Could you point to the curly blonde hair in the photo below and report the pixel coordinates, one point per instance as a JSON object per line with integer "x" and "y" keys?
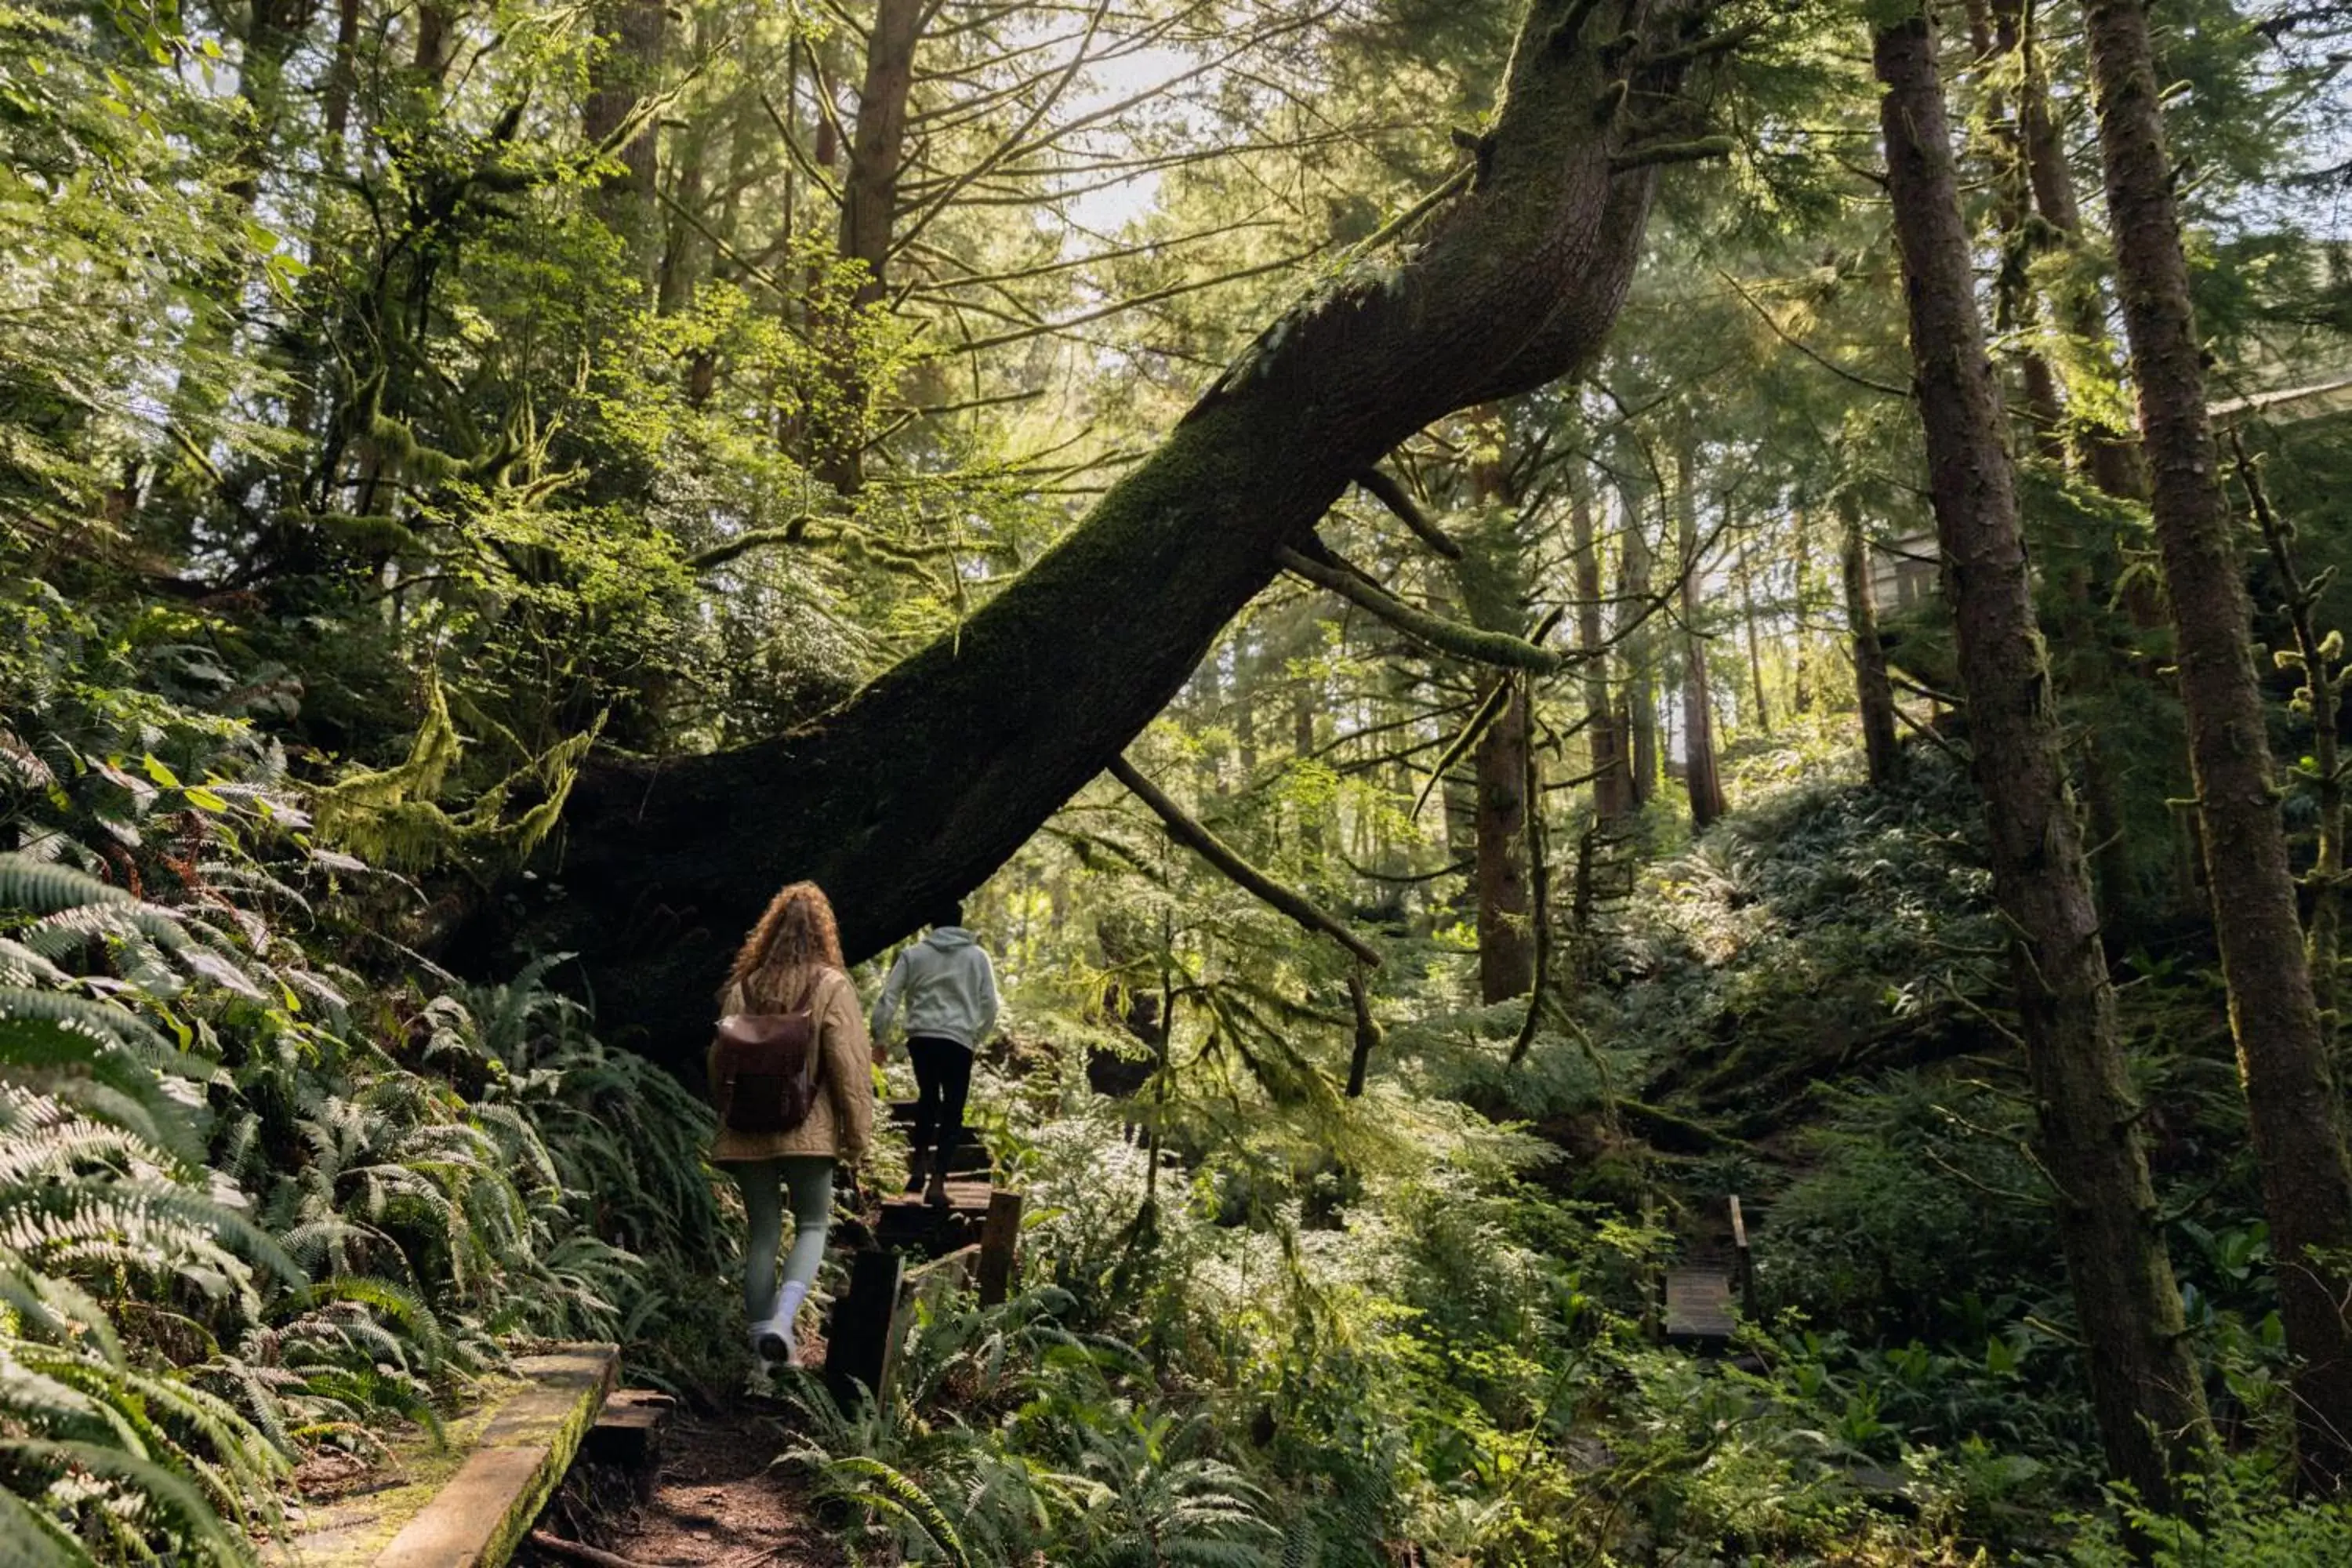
{"x": 795, "y": 938}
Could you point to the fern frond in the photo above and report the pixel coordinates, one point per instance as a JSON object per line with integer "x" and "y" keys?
{"x": 44, "y": 887}
{"x": 889, "y": 1491}
{"x": 197, "y": 1524}
{"x": 35, "y": 1539}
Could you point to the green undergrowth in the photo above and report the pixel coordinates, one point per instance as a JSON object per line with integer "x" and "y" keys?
{"x": 270, "y": 1186}
{"x": 1440, "y": 1347}
{"x": 1456, "y": 1372}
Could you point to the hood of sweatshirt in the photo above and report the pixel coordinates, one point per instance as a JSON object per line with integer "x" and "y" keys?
{"x": 949, "y": 937}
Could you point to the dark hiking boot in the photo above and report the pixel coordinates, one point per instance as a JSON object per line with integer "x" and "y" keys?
{"x": 918, "y": 1168}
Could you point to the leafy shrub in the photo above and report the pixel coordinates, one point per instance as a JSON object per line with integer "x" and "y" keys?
{"x": 252, "y": 1202}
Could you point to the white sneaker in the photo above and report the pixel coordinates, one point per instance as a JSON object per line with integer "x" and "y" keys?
{"x": 774, "y": 1338}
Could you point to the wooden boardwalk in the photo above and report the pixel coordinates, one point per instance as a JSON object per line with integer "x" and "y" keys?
{"x": 1706, "y": 1294}
{"x": 908, "y": 1224}
{"x": 1698, "y": 1305}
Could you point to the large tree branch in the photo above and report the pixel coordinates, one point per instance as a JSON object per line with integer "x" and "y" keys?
{"x": 1501, "y": 648}
{"x": 929, "y": 778}
{"x": 1233, "y": 868}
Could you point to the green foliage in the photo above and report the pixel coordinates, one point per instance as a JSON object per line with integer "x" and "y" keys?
{"x": 1918, "y": 1197}
{"x": 252, "y": 1204}
{"x": 2238, "y": 1521}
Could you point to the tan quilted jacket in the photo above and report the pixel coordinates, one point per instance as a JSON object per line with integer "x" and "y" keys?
{"x": 841, "y": 1120}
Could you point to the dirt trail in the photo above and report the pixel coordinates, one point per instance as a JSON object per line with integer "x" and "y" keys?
{"x": 714, "y": 1501}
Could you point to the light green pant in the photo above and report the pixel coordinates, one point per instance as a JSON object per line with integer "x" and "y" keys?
{"x": 807, "y": 1180}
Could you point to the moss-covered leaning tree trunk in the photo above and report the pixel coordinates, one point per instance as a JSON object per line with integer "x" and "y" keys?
{"x": 922, "y": 784}
{"x": 2282, "y": 1049}
{"x": 2144, "y": 1386}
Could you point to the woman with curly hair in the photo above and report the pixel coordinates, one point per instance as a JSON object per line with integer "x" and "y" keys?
{"x": 791, "y": 964}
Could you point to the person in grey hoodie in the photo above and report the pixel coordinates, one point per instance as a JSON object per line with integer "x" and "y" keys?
{"x": 947, "y": 988}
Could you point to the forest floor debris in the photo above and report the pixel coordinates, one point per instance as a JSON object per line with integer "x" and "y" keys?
{"x": 716, "y": 1501}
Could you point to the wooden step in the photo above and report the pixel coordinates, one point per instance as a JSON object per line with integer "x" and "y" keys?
{"x": 902, "y": 1114}
{"x": 909, "y": 1224}
{"x": 628, "y": 1429}
{"x": 1698, "y": 1305}
{"x": 964, "y": 1197}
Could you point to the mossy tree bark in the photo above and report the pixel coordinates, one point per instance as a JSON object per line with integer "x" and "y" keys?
{"x": 1611, "y": 778}
{"x": 625, "y": 68}
{"x": 869, "y": 213}
{"x": 1640, "y": 715}
{"x": 2282, "y": 1049}
{"x": 1873, "y": 691}
{"x": 1702, "y": 779}
{"x": 2104, "y": 453}
{"x": 2144, "y": 1386}
{"x": 1492, "y": 572}
{"x": 922, "y": 784}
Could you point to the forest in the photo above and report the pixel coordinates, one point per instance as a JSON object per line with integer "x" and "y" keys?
{"x": 1642, "y": 704}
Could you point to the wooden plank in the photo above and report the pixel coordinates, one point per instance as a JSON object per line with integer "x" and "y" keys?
{"x": 864, "y": 1321}
{"x": 956, "y": 1265}
{"x": 629, "y": 1430}
{"x": 999, "y": 1247}
{"x": 472, "y": 1512}
{"x": 1743, "y": 1259}
{"x": 1699, "y": 1304}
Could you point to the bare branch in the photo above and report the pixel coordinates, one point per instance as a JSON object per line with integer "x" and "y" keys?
{"x": 1657, "y": 153}
{"x": 1217, "y": 853}
{"x": 1436, "y": 631}
{"x": 1377, "y": 484}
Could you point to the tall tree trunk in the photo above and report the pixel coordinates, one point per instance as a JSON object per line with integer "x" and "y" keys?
{"x": 870, "y": 208}
{"x": 2029, "y": 159}
{"x": 1700, "y": 777}
{"x": 1612, "y": 798}
{"x": 1801, "y": 521}
{"x": 2144, "y": 1386}
{"x": 1311, "y": 813}
{"x": 1755, "y": 643}
{"x": 1874, "y": 692}
{"x": 625, "y": 68}
{"x": 2100, "y": 451}
{"x": 1633, "y": 588}
{"x": 274, "y": 31}
{"x": 2323, "y": 694}
{"x": 2013, "y": 313}
{"x": 924, "y": 784}
{"x": 1506, "y": 954}
{"x": 216, "y": 316}
{"x": 437, "y": 41}
{"x": 342, "y": 80}
{"x": 2281, "y": 1051}
{"x": 679, "y": 271}
{"x": 1493, "y": 577}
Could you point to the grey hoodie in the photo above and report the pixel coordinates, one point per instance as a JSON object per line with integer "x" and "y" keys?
{"x": 947, "y": 986}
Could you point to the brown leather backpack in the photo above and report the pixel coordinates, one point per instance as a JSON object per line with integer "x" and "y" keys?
{"x": 764, "y": 1068}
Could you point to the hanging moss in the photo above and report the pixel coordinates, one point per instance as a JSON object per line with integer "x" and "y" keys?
{"x": 393, "y": 815}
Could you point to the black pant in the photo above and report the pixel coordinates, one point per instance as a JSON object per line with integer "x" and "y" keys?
{"x": 943, "y": 1083}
